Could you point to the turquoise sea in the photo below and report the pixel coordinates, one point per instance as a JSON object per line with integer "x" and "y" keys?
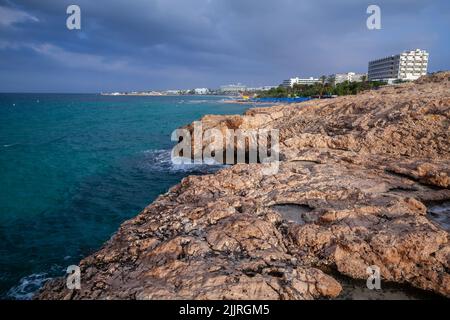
{"x": 73, "y": 167}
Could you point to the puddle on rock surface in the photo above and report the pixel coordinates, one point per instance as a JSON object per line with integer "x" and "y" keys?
{"x": 357, "y": 290}
{"x": 298, "y": 213}
{"x": 439, "y": 212}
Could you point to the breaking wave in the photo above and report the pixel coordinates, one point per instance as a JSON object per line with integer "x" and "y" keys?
{"x": 160, "y": 160}
{"x": 28, "y": 286}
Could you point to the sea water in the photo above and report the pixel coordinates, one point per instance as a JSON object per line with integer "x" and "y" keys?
{"x": 73, "y": 167}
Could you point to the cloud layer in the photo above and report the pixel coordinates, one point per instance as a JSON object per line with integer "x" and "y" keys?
{"x": 127, "y": 45}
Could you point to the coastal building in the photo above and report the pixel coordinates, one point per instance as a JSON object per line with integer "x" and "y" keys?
{"x": 172, "y": 92}
{"x": 262, "y": 88}
{"x": 233, "y": 88}
{"x": 292, "y": 81}
{"x": 201, "y": 91}
{"x": 408, "y": 65}
{"x": 349, "y": 76}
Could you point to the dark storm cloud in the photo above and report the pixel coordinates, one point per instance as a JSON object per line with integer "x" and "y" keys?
{"x": 138, "y": 44}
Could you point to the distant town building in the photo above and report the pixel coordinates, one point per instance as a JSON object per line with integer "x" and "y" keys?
{"x": 201, "y": 91}
{"x": 263, "y": 88}
{"x": 349, "y": 76}
{"x": 172, "y": 92}
{"x": 233, "y": 88}
{"x": 408, "y": 65}
{"x": 290, "y": 82}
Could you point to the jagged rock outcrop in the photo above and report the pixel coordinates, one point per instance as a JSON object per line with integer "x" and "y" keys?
{"x": 352, "y": 190}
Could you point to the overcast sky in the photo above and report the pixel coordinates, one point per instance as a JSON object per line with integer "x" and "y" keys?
{"x": 168, "y": 44}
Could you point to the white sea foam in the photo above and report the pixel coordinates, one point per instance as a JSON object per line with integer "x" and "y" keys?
{"x": 28, "y": 286}
{"x": 10, "y": 145}
{"x": 160, "y": 160}
{"x": 197, "y": 101}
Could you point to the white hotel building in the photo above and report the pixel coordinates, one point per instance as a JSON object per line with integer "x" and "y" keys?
{"x": 290, "y": 82}
{"x": 201, "y": 91}
{"x": 409, "y": 65}
{"x": 349, "y": 76}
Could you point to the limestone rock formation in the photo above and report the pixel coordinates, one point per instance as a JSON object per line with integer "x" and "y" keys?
{"x": 352, "y": 190}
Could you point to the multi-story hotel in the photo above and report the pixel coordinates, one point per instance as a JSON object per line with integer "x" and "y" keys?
{"x": 349, "y": 76}
{"x": 201, "y": 90}
{"x": 290, "y": 82}
{"x": 409, "y": 65}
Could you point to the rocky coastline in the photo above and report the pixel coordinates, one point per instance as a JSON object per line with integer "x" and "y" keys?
{"x": 363, "y": 181}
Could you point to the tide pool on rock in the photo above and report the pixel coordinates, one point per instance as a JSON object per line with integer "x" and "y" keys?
{"x": 75, "y": 166}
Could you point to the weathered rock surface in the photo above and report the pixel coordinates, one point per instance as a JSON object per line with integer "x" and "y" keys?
{"x": 356, "y": 176}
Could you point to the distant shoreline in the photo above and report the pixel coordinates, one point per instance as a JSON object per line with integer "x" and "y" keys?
{"x": 163, "y": 95}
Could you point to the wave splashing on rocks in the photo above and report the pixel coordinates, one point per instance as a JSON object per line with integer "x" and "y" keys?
{"x": 160, "y": 160}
